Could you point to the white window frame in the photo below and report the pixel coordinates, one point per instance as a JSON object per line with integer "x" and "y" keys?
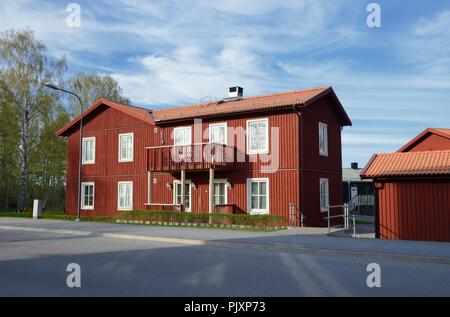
{"x": 323, "y": 127}
{"x": 132, "y": 147}
{"x": 265, "y": 150}
{"x": 131, "y": 196}
{"x": 225, "y": 182}
{"x": 182, "y": 128}
{"x": 83, "y": 185}
{"x": 249, "y": 197}
{"x": 221, "y": 124}
{"x": 83, "y": 151}
{"x": 326, "y": 194}
{"x": 174, "y": 195}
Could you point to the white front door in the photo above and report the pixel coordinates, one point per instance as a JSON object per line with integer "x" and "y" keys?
{"x": 187, "y": 192}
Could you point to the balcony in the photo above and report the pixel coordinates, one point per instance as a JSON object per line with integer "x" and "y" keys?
{"x": 200, "y": 156}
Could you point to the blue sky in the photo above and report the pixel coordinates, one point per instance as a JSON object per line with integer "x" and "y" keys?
{"x": 394, "y": 81}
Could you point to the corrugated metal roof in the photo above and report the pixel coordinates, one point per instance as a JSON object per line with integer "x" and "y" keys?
{"x": 352, "y": 175}
{"x": 408, "y": 164}
{"x": 266, "y": 102}
{"x": 296, "y": 97}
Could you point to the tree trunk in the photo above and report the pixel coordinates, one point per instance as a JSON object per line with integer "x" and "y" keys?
{"x": 23, "y": 191}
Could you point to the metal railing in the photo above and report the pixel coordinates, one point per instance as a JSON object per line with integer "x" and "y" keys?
{"x": 294, "y": 215}
{"x": 344, "y": 215}
{"x": 361, "y": 200}
{"x": 350, "y": 219}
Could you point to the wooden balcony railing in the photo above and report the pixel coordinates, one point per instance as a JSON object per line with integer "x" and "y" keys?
{"x": 200, "y": 156}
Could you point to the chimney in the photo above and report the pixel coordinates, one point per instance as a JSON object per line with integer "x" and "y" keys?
{"x": 354, "y": 165}
{"x": 235, "y": 92}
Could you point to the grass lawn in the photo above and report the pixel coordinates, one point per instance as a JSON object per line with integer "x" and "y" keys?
{"x": 58, "y": 215}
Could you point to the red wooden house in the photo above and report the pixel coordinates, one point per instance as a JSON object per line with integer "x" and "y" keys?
{"x": 412, "y": 188}
{"x": 257, "y": 155}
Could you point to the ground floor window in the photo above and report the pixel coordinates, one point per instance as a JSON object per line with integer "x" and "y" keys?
{"x": 187, "y": 193}
{"x": 125, "y": 196}
{"x": 324, "y": 194}
{"x": 258, "y": 195}
{"x": 220, "y": 192}
{"x": 87, "y": 195}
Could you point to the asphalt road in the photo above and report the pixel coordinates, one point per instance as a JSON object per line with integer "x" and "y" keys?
{"x": 34, "y": 264}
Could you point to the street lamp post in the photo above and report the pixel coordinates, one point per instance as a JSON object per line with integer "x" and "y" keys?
{"x": 54, "y": 87}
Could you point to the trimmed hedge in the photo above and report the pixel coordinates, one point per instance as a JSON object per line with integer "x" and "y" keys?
{"x": 203, "y": 218}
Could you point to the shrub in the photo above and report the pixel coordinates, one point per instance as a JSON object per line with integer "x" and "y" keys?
{"x": 203, "y": 218}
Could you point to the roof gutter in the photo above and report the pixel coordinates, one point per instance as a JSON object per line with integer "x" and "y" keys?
{"x": 300, "y": 158}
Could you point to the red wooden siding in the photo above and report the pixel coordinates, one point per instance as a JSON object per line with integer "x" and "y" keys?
{"x": 315, "y": 166}
{"x": 415, "y": 209}
{"x": 283, "y": 184}
{"x": 107, "y": 170}
{"x": 295, "y": 175}
{"x": 431, "y": 142}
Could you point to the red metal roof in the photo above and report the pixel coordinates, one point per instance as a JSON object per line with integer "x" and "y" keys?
{"x": 279, "y": 100}
{"x": 137, "y": 112}
{"x": 408, "y": 164}
{"x": 297, "y": 97}
{"x": 438, "y": 131}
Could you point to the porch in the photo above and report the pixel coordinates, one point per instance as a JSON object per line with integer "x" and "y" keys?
{"x": 179, "y": 159}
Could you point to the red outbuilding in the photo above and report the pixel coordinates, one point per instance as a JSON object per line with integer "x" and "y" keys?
{"x": 256, "y": 155}
{"x": 412, "y": 188}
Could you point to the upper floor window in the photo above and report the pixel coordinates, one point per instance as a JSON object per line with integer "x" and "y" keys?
{"x": 218, "y": 133}
{"x": 182, "y": 136}
{"x": 258, "y": 136}
{"x": 126, "y": 147}
{"x": 323, "y": 139}
{"x": 87, "y": 195}
{"x": 88, "y": 151}
{"x": 125, "y": 196}
{"x": 324, "y": 194}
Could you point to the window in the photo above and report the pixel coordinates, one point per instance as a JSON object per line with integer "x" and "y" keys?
{"x": 126, "y": 147}
{"x": 87, "y": 195}
{"x": 182, "y": 136}
{"x": 324, "y": 196}
{"x": 88, "y": 151}
{"x": 323, "y": 139}
{"x": 220, "y": 192}
{"x": 125, "y": 196}
{"x": 218, "y": 133}
{"x": 258, "y": 195}
{"x": 187, "y": 194}
{"x": 258, "y": 136}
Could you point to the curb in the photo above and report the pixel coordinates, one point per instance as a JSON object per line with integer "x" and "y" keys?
{"x": 244, "y": 245}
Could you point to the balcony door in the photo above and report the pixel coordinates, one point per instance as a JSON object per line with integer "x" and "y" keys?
{"x": 182, "y": 137}
{"x": 187, "y": 192}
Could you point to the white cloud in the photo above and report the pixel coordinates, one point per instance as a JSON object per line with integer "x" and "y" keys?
{"x": 428, "y": 45}
{"x": 189, "y": 73}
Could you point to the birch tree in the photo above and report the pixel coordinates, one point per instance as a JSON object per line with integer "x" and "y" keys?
{"x": 91, "y": 87}
{"x": 24, "y": 69}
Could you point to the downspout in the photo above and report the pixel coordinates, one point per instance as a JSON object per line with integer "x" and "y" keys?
{"x": 300, "y": 160}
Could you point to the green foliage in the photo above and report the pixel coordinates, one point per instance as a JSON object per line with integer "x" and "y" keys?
{"x": 91, "y": 87}
{"x": 16, "y": 214}
{"x": 32, "y": 157}
{"x": 24, "y": 68}
{"x": 204, "y": 218}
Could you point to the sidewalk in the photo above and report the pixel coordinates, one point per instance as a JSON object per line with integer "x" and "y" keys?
{"x": 279, "y": 241}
